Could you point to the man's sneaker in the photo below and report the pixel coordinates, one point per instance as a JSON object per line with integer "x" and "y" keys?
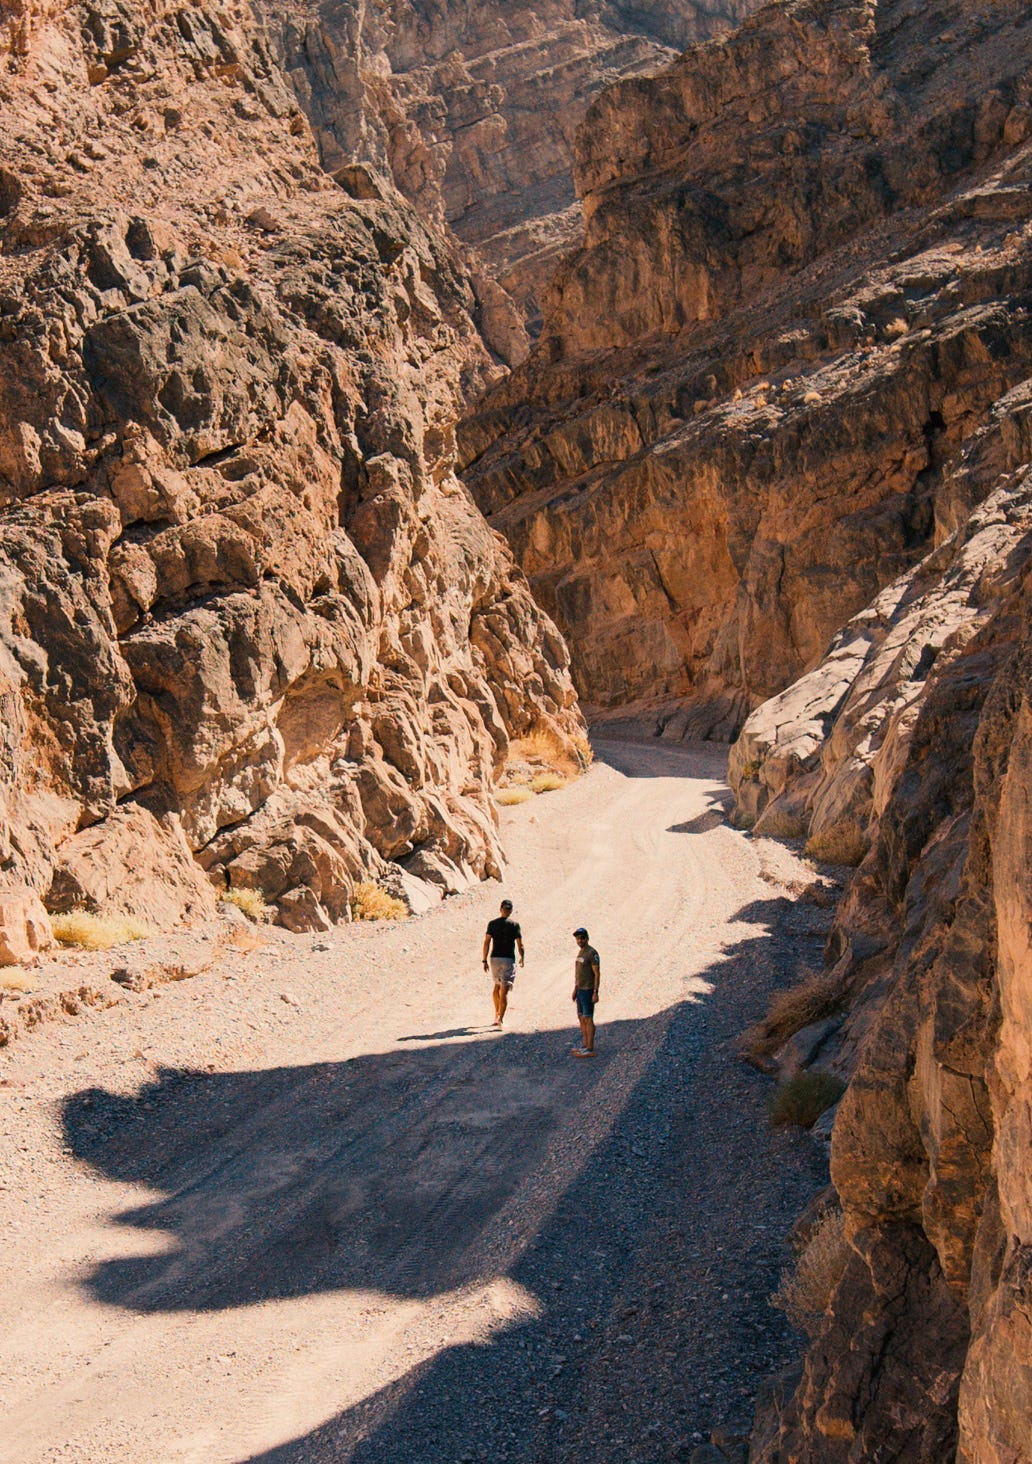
{"x": 581, "y": 1052}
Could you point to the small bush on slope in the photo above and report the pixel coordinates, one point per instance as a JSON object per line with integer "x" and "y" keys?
{"x": 547, "y": 783}
{"x": 841, "y": 844}
{"x": 804, "y": 1098}
{"x": 249, "y": 902}
{"x": 817, "y": 996}
{"x": 97, "y": 932}
{"x": 508, "y": 797}
{"x": 370, "y": 902}
{"x": 805, "y": 1289}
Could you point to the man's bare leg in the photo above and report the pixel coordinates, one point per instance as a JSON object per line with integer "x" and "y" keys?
{"x": 588, "y": 1028}
{"x": 502, "y": 1001}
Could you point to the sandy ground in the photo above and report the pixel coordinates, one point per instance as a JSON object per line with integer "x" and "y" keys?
{"x": 308, "y": 1206}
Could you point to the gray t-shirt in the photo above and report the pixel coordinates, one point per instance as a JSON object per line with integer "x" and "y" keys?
{"x": 584, "y": 968}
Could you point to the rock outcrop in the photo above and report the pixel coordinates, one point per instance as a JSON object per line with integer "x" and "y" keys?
{"x": 473, "y": 106}
{"x": 805, "y": 283}
{"x": 241, "y": 590}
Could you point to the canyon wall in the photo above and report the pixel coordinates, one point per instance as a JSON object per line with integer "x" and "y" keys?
{"x": 473, "y": 108}
{"x": 804, "y": 284}
{"x": 906, "y": 750}
{"x": 253, "y": 631}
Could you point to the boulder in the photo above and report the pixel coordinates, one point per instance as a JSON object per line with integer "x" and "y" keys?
{"x": 133, "y": 864}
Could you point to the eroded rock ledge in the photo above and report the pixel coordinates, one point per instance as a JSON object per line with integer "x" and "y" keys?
{"x": 248, "y": 614}
{"x": 804, "y": 285}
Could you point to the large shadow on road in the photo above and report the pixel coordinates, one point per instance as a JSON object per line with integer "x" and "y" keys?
{"x": 382, "y": 1172}
{"x": 393, "y": 1172}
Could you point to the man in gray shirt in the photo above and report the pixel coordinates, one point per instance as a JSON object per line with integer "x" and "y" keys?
{"x": 587, "y": 973}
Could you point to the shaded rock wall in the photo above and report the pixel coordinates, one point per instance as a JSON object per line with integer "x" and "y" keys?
{"x": 804, "y": 284}
{"x": 904, "y": 750}
{"x": 923, "y": 1352}
{"x": 474, "y": 107}
{"x": 240, "y": 586}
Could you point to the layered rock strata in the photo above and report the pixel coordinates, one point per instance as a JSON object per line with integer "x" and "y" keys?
{"x": 805, "y": 283}
{"x": 248, "y": 614}
{"x": 473, "y": 107}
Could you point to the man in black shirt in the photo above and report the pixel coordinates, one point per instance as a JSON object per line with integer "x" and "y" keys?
{"x": 501, "y": 942}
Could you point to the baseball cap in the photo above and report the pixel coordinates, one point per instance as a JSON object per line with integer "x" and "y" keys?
{"x": 580, "y": 930}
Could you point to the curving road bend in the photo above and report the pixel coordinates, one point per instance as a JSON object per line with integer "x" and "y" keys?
{"x": 309, "y": 1207}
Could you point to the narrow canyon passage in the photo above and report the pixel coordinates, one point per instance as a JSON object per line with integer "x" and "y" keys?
{"x": 357, "y": 1224}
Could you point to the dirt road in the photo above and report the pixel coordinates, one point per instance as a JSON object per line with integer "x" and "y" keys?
{"x": 309, "y": 1207}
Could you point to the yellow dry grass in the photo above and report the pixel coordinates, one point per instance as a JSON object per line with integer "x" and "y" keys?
{"x": 97, "y": 932}
{"x": 508, "y": 797}
{"x": 547, "y": 783}
{"x": 249, "y": 902}
{"x": 896, "y": 328}
{"x": 805, "y": 1289}
{"x": 370, "y": 902}
{"x": 841, "y": 844}
{"x": 815, "y": 997}
{"x": 568, "y": 756}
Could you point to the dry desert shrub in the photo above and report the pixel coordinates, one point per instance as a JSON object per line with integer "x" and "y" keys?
{"x": 777, "y": 824}
{"x": 841, "y": 844}
{"x": 803, "y": 1099}
{"x": 815, "y": 997}
{"x": 97, "y": 932}
{"x": 896, "y": 328}
{"x": 805, "y": 1289}
{"x": 811, "y": 398}
{"x": 559, "y": 754}
{"x": 370, "y": 902}
{"x": 249, "y": 902}
{"x": 508, "y": 797}
{"x": 547, "y": 783}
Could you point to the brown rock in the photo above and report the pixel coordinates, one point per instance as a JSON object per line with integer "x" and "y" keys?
{"x": 923, "y": 1354}
{"x": 24, "y": 926}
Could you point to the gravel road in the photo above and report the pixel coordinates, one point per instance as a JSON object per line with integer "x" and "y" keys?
{"x": 307, "y": 1206}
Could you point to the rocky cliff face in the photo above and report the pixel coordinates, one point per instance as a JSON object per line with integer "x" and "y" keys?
{"x": 246, "y": 607}
{"x": 473, "y": 108}
{"x": 910, "y": 741}
{"x": 804, "y": 284}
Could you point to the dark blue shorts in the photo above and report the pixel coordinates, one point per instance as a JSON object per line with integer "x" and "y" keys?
{"x": 585, "y": 1005}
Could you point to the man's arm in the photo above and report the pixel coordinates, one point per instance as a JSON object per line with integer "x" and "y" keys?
{"x": 487, "y": 947}
{"x": 596, "y": 966}
{"x": 519, "y": 947}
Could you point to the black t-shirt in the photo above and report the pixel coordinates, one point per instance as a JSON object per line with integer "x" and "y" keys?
{"x": 504, "y": 935}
